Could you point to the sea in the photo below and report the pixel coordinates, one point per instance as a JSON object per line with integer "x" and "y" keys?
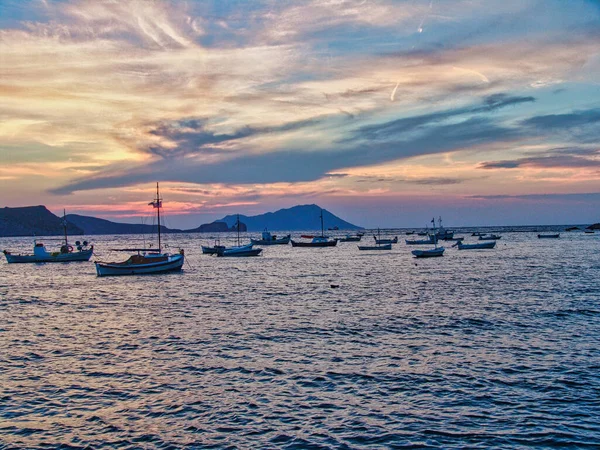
{"x": 306, "y": 348}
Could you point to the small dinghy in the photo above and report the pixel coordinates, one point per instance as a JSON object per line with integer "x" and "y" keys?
{"x": 479, "y": 245}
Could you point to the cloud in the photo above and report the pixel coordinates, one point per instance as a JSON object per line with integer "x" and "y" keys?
{"x": 558, "y": 158}
{"x": 583, "y": 197}
{"x": 564, "y": 121}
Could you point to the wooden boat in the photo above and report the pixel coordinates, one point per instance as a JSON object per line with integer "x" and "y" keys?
{"x": 477, "y": 233}
{"x": 408, "y": 233}
{"x": 239, "y": 250}
{"x": 489, "y": 237}
{"x": 438, "y": 251}
{"x": 433, "y": 252}
{"x": 430, "y": 240}
{"x": 589, "y": 232}
{"x": 386, "y": 241}
{"x": 442, "y": 233}
{"x": 375, "y": 247}
{"x": 380, "y": 245}
{"x": 455, "y": 239}
{"x": 548, "y": 236}
{"x": 147, "y": 261}
{"x": 317, "y": 241}
{"x": 271, "y": 239}
{"x": 480, "y": 245}
{"x": 212, "y": 250}
{"x": 65, "y": 253}
{"x": 349, "y": 238}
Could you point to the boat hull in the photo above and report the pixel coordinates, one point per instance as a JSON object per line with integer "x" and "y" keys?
{"x": 83, "y": 255}
{"x": 240, "y": 253}
{"x": 174, "y": 263}
{"x": 429, "y": 253}
{"x": 420, "y": 242}
{"x": 314, "y": 244}
{"x": 548, "y": 236}
{"x": 350, "y": 239}
{"x": 482, "y": 245}
{"x": 375, "y": 247}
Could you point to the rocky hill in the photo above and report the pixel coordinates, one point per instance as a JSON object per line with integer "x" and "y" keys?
{"x": 33, "y": 221}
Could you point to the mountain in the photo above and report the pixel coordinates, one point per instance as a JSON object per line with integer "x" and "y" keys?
{"x": 37, "y": 220}
{"x": 301, "y": 217}
{"x": 217, "y": 227}
{"x": 93, "y": 225}
{"x": 33, "y": 221}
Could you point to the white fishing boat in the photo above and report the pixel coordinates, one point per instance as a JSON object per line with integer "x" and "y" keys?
{"x": 65, "y": 253}
{"x": 479, "y": 245}
{"x": 239, "y": 250}
{"x": 270, "y": 239}
{"x": 147, "y": 260}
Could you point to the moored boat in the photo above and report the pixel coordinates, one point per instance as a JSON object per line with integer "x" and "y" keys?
{"x": 65, "y": 253}
{"x": 375, "y": 247}
{"x": 430, "y": 240}
{"x": 349, "y": 238}
{"x": 270, "y": 239}
{"x": 479, "y": 245}
{"x": 433, "y": 252}
{"x": 239, "y": 250}
{"x": 317, "y": 241}
{"x": 489, "y": 237}
{"x": 548, "y": 236}
{"x": 147, "y": 261}
{"x": 438, "y": 251}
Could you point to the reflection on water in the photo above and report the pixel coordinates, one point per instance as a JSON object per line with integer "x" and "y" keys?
{"x": 492, "y": 348}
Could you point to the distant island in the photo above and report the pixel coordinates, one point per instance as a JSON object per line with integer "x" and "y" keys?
{"x": 39, "y": 221}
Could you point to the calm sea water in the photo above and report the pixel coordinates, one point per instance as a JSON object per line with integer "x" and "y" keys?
{"x": 480, "y": 349}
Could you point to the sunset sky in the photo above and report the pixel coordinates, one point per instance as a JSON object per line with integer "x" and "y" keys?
{"x": 386, "y": 113}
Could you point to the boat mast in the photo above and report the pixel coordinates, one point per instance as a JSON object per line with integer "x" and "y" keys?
{"x": 322, "y": 230}
{"x": 65, "y": 226}
{"x": 238, "y": 229}
{"x": 158, "y": 205}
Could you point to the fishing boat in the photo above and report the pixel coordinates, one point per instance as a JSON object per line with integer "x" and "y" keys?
{"x": 430, "y": 240}
{"x": 489, "y": 237}
{"x": 147, "y": 260}
{"x": 317, "y": 241}
{"x": 206, "y": 250}
{"x": 239, "y": 250}
{"x": 270, "y": 239}
{"x": 378, "y": 240}
{"x": 349, "y": 238}
{"x": 65, "y": 253}
{"x": 476, "y": 246}
{"x": 379, "y": 244}
{"x": 589, "y": 231}
{"x": 548, "y": 236}
{"x": 375, "y": 247}
{"x": 408, "y": 233}
{"x": 433, "y": 252}
{"x": 442, "y": 233}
